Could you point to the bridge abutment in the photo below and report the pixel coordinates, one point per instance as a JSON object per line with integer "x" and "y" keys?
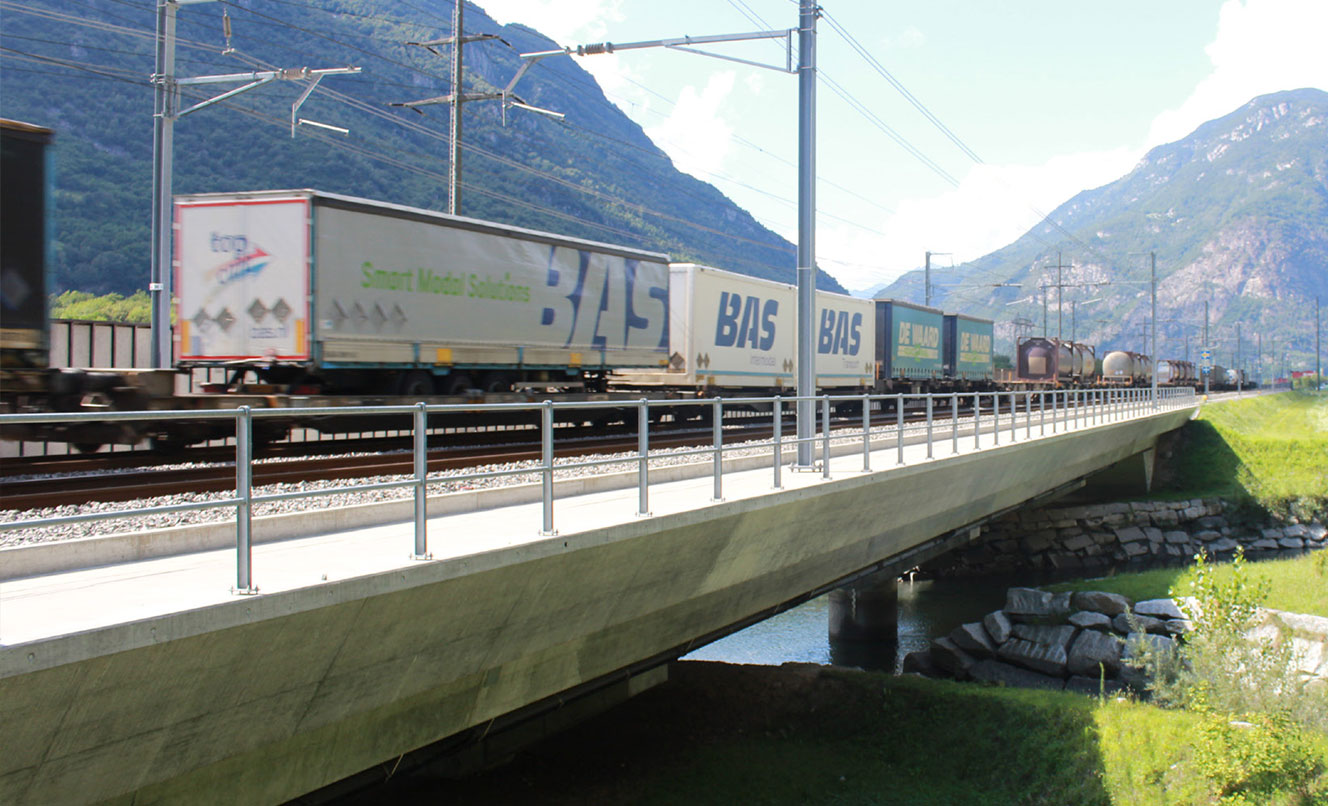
{"x": 865, "y": 610}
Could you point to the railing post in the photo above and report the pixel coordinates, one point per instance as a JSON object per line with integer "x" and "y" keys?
{"x": 1054, "y": 393}
{"x": 977, "y": 421}
{"x": 1013, "y": 419}
{"x": 546, "y": 459}
{"x": 717, "y": 427}
{"x": 1042, "y": 413}
{"x": 643, "y": 458}
{"x": 899, "y": 428}
{"x": 421, "y": 456}
{"x": 825, "y": 436}
{"x": 1028, "y": 415}
{"x": 996, "y": 418}
{"x": 866, "y": 433}
{"x": 954, "y": 423}
{"x": 778, "y": 440}
{"x": 929, "y": 424}
{"x": 244, "y": 510}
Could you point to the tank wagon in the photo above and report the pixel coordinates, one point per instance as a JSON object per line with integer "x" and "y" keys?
{"x": 1126, "y": 368}
{"x": 1041, "y": 360}
{"x": 1173, "y": 372}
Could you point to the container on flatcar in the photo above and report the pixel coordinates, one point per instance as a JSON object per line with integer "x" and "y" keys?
{"x": 734, "y": 331}
{"x": 1086, "y": 360}
{"x": 908, "y": 342}
{"x": 364, "y": 295}
{"x": 1036, "y": 359}
{"x": 968, "y": 347}
{"x": 1120, "y": 366}
{"x": 25, "y": 197}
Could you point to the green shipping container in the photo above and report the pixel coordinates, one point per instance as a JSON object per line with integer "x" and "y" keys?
{"x": 968, "y": 347}
{"x": 908, "y": 340}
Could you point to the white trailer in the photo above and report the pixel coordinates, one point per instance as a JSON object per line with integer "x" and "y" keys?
{"x": 732, "y": 331}
{"x": 300, "y": 284}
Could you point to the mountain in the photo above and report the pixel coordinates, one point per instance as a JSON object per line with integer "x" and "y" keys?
{"x": 83, "y": 69}
{"x": 1237, "y": 214}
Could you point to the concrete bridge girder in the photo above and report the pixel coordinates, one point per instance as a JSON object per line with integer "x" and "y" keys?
{"x": 266, "y": 698}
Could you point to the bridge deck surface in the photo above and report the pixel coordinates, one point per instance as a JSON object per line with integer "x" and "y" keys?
{"x": 41, "y": 607}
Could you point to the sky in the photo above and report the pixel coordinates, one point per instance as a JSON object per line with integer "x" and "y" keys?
{"x": 1050, "y": 97}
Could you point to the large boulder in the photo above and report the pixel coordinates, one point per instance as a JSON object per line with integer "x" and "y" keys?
{"x": 1033, "y": 605}
{"x": 1100, "y": 602}
{"x": 1137, "y": 647}
{"x": 1088, "y": 620}
{"x": 998, "y": 626}
{"x": 1045, "y": 634}
{"x": 1042, "y": 658}
{"x": 1125, "y": 624}
{"x": 1091, "y": 649}
{"x": 1158, "y": 608}
{"x": 993, "y": 671}
{"x": 948, "y": 656}
{"x": 973, "y": 639}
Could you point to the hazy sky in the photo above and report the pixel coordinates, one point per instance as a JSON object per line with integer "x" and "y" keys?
{"x": 1053, "y": 97}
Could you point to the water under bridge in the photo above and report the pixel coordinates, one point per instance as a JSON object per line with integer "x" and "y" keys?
{"x": 139, "y": 678}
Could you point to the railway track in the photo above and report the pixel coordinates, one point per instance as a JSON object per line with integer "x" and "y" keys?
{"x": 130, "y": 475}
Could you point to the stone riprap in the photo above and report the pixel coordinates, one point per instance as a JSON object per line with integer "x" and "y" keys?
{"x": 1080, "y": 641}
{"x": 1137, "y": 533}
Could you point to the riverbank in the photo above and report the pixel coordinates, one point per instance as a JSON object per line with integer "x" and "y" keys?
{"x": 796, "y": 734}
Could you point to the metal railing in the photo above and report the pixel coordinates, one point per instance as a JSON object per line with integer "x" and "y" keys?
{"x": 991, "y": 414}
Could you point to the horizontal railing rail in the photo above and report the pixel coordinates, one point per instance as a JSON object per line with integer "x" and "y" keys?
{"x": 996, "y": 415}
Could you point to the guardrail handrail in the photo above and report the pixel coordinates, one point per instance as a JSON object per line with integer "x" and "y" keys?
{"x": 1069, "y": 409}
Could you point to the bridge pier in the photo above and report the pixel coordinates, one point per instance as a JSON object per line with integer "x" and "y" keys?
{"x": 866, "y": 609}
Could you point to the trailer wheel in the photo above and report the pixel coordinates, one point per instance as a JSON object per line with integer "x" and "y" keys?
{"x": 457, "y": 384}
{"x": 416, "y": 383}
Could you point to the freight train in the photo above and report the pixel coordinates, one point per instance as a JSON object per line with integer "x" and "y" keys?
{"x": 306, "y": 298}
{"x": 1044, "y": 363}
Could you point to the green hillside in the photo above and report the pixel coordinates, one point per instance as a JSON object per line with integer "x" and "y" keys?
{"x": 83, "y": 69}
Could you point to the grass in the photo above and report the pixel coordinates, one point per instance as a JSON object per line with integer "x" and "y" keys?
{"x": 1270, "y": 449}
{"x": 720, "y": 734}
{"x": 1298, "y": 584}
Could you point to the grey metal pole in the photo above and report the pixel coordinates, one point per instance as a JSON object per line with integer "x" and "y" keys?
{"x": 825, "y": 436}
{"x": 1318, "y": 366}
{"x": 546, "y": 459}
{"x": 995, "y": 418}
{"x": 717, "y": 427}
{"x": 1237, "y": 362}
{"x": 899, "y": 428}
{"x": 977, "y": 421}
{"x": 806, "y": 416}
{"x": 454, "y": 146}
{"x": 1207, "y": 372}
{"x": 926, "y": 282}
{"x": 866, "y": 433}
{"x": 642, "y": 452}
{"x": 1042, "y": 414}
{"x": 929, "y": 425}
{"x": 778, "y": 441}
{"x": 954, "y": 423}
{"x": 244, "y": 510}
{"x": 421, "y": 456}
{"x": 1152, "y": 260}
{"x": 163, "y": 131}
{"x": 1055, "y": 409}
{"x": 1028, "y": 415}
{"x": 1013, "y": 419}
{"x": 1060, "y": 298}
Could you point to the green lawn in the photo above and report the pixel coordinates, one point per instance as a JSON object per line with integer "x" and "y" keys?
{"x": 1272, "y": 449}
{"x": 1299, "y": 584}
{"x": 718, "y": 734}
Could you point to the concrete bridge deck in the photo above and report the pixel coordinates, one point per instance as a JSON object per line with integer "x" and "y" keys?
{"x": 149, "y": 681}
